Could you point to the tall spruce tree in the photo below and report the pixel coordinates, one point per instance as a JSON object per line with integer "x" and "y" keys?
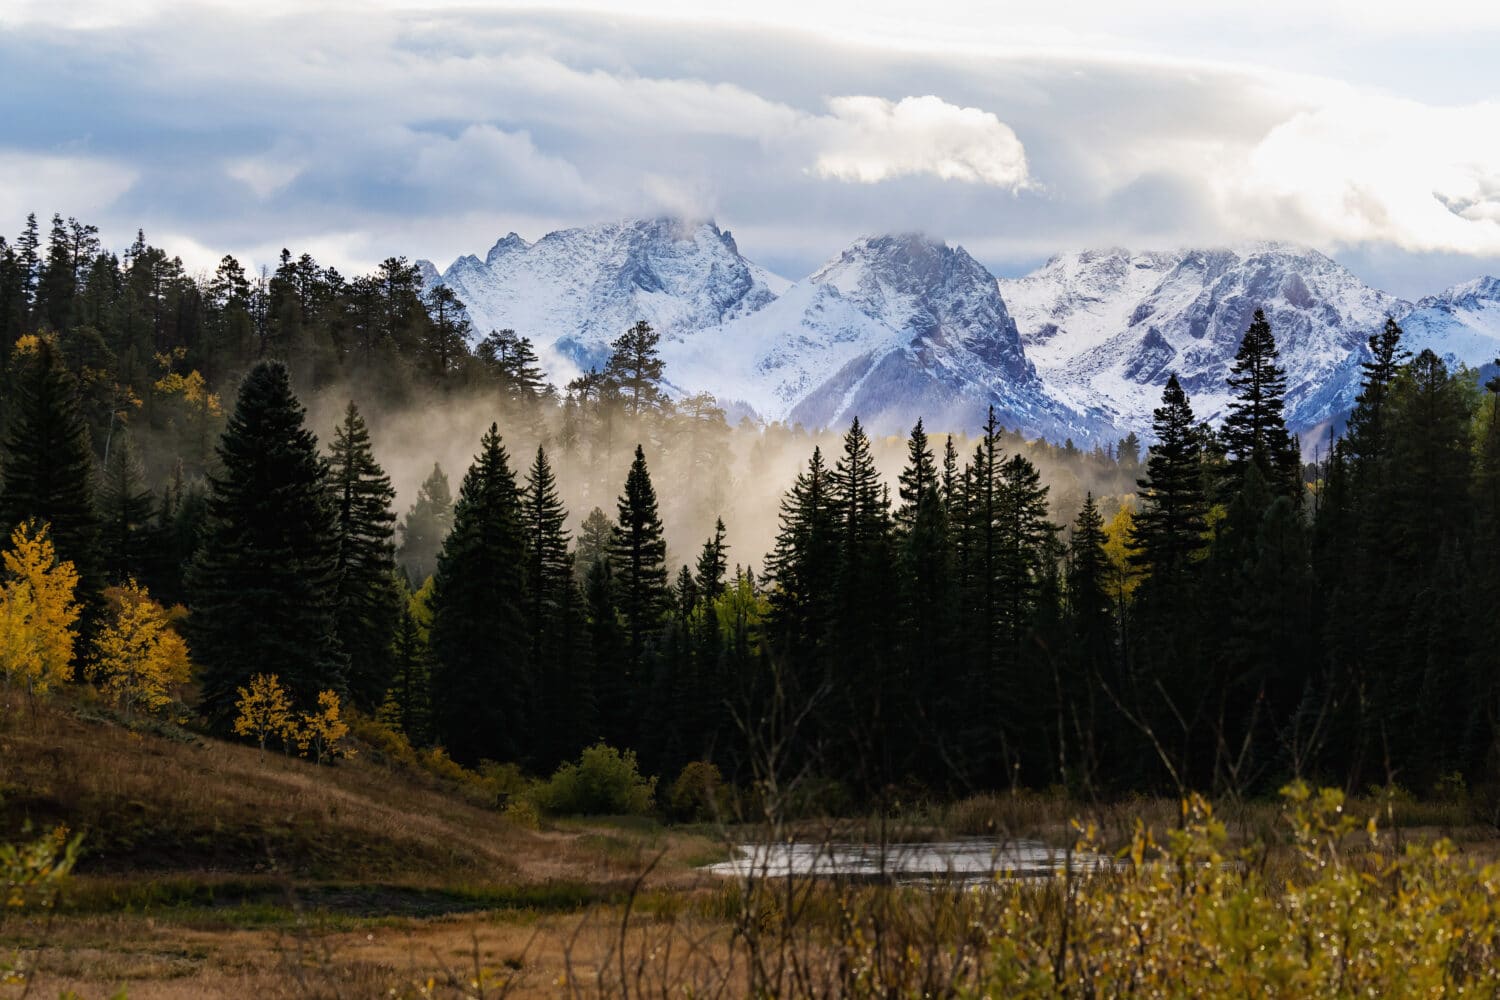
{"x": 638, "y": 561}
{"x": 713, "y": 565}
{"x": 928, "y": 595}
{"x": 1083, "y": 741}
{"x": 1485, "y": 593}
{"x": 1026, "y": 551}
{"x": 607, "y": 651}
{"x": 1169, "y": 528}
{"x": 369, "y": 601}
{"x": 426, "y": 525}
{"x": 482, "y": 673}
{"x": 1255, "y": 431}
{"x": 555, "y": 620}
{"x": 803, "y": 566}
{"x": 264, "y": 585}
{"x": 593, "y": 544}
{"x": 49, "y": 464}
{"x": 408, "y": 701}
{"x": 481, "y": 670}
{"x": 634, "y": 370}
{"x": 127, "y": 509}
{"x": 867, "y": 673}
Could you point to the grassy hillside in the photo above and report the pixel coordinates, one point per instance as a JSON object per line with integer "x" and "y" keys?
{"x": 213, "y": 870}
{"x": 208, "y": 866}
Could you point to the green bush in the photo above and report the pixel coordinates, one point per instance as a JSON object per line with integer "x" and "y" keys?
{"x": 697, "y": 793}
{"x": 604, "y": 782}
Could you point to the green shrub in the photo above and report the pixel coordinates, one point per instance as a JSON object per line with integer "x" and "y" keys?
{"x": 505, "y": 780}
{"x": 697, "y": 793}
{"x": 523, "y": 813}
{"x": 604, "y": 782}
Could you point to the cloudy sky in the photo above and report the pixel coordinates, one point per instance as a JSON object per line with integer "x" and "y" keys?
{"x": 364, "y": 129}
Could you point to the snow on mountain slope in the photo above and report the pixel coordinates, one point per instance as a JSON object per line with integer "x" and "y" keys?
{"x": 1459, "y": 324}
{"x": 897, "y": 327}
{"x": 893, "y": 328}
{"x": 1106, "y": 327}
{"x": 574, "y": 291}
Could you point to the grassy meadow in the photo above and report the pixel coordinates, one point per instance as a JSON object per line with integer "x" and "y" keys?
{"x": 212, "y": 869}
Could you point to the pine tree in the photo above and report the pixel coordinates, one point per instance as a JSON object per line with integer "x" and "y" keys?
{"x": 425, "y": 527}
{"x": 1025, "y": 542}
{"x": 369, "y": 602}
{"x": 482, "y": 671}
{"x": 445, "y": 342}
{"x": 126, "y": 508}
{"x": 1083, "y": 731}
{"x": 713, "y": 564}
{"x": 802, "y": 567}
{"x": 1355, "y": 533}
{"x": 408, "y": 704}
{"x": 638, "y": 554}
{"x": 513, "y": 363}
{"x": 27, "y": 246}
{"x": 928, "y": 594}
{"x": 866, "y": 673}
{"x": 264, "y": 585}
{"x": 49, "y": 464}
{"x": 1169, "y": 527}
{"x": 634, "y": 370}
{"x": 1089, "y": 602}
{"x": 1484, "y": 633}
{"x": 593, "y": 544}
{"x": 610, "y": 687}
{"x": 1255, "y": 429}
{"x": 554, "y": 618}
{"x": 1365, "y": 439}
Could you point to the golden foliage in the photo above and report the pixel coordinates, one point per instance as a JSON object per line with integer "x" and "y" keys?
{"x": 265, "y": 710}
{"x": 32, "y": 874}
{"x": 323, "y": 731}
{"x": 191, "y": 388}
{"x": 138, "y": 656}
{"x": 1123, "y": 577}
{"x": 37, "y": 612}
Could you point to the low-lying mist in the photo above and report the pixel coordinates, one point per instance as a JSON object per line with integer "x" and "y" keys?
{"x": 702, "y": 467}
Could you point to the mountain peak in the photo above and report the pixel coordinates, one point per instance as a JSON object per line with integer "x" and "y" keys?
{"x": 574, "y": 291}
{"x": 509, "y": 243}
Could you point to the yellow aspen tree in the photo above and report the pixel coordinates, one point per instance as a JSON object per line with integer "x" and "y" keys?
{"x": 38, "y": 612}
{"x": 323, "y": 731}
{"x": 138, "y": 656}
{"x": 265, "y": 710}
{"x": 1123, "y": 576}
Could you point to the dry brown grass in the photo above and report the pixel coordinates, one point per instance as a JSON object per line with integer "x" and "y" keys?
{"x": 153, "y": 804}
{"x": 214, "y": 871}
{"x": 522, "y": 956}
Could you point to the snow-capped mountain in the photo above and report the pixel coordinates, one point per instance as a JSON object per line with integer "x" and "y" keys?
{"x": 901, "y": 326}
{"x": 1105, "y": 327}
{"x": 574, "y": 291}
{"x": 1459, "y": 324}
{"x": 892, "y": 328}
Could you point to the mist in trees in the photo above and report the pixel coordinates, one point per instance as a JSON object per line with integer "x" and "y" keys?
{"x": 941, "y": 612}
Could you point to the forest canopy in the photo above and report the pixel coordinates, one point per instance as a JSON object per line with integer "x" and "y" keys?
{"x": 613, "y": 559}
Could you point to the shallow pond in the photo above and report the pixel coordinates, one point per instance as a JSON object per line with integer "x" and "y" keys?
{"x": 968, "y": 861}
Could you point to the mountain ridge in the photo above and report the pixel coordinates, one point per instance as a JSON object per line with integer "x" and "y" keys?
{"x": 900, "y": 325}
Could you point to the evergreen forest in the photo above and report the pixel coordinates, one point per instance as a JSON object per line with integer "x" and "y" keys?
{"x": 1213, "y": 608}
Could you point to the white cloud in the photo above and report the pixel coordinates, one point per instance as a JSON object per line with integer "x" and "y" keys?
{"x": 1369, "y": 169}
{"x": 485, "y": 164}
{"x": 870, "y": 139}
{"x": 85, "y": 185}
{"x": 264, "y": 175}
